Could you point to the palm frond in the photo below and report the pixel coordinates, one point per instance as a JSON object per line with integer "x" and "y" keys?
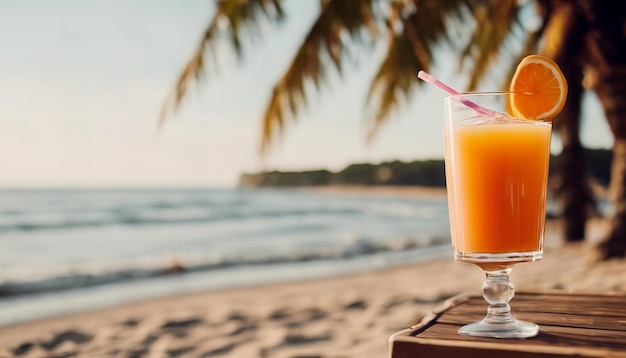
{"x": 566, "y": 26}
{"x": 232, "y": 19}
{"x": 531, "y": 46}
{"x": 495, "y": 22}
{"x": 433, "y": 18}
{"x": 338, "y": 22}
{"x": 394, "y": 80}
{"x": 423, "y": 24}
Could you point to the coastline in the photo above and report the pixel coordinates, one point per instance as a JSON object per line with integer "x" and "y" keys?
{"x": 379, "y": 190}
{"x": 349, "y": 315}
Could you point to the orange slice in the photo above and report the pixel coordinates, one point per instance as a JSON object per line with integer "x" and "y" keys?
{"x": 539, "y": 87}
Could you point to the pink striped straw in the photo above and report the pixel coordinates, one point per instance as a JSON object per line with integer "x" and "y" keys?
{"x": 435, "y": 82}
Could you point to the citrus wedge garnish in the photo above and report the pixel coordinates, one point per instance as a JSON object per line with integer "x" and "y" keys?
{"x": 539, "y": 89}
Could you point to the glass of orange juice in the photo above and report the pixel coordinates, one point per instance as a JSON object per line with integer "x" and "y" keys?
{"x": 496, "y": 177}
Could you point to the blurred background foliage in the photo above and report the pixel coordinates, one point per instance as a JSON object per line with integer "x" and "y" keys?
{"x": 585, "y": 37}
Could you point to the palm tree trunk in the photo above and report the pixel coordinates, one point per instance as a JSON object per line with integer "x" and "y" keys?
{"x": 606, "y": 50}
{"x": 615, "y": 244}
{"x": 566, "y": 26}
{"x": 572, "y": 190}
{"x": 611, "y": 90}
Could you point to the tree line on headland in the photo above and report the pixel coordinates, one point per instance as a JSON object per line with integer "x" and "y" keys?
{"x": 429, "y": 173}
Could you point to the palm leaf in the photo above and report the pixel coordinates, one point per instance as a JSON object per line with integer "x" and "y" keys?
{"x": 531, "y": 43}
{"x": 423, "y": 25}
{"x": 338, "y": 22}
{"x": 495, "y": 23}
{"x": 531, "y": 46}
{"x": 232, "y": 19}
{"x": 394, "y": 80}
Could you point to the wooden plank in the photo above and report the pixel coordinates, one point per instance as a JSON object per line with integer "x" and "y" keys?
{"x": 581, "y": 324}
{"x": 435, "y": 349}
{"x": 552, "y": 319}
{"x": 549, "y": 335}
{"x": 405, "y": 347}
{"x": 608, "y": 296}
{"x": 477, "y": 305}
{"x": 609, "y": 299}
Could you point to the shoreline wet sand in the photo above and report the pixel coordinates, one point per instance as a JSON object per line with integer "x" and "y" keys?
{"x": 344, "y": 316}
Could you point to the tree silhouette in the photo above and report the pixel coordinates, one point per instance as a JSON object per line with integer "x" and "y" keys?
{"x": 585, "y": 37}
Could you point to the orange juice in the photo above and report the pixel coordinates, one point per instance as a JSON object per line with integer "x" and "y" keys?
{"x": 496, "y": 176}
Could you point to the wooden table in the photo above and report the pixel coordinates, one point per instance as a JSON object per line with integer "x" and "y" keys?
{"x": 580, "y": 324}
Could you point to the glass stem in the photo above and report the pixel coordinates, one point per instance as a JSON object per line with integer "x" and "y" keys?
{"x": 498, "y": 291}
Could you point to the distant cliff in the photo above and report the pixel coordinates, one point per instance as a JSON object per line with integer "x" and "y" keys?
{"x": 421, "y": 173}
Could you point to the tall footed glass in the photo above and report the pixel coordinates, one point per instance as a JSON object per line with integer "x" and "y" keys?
{"x": 496, "y": 176}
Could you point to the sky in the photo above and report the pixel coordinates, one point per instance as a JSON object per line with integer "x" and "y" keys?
{"x": 82, "y": 83}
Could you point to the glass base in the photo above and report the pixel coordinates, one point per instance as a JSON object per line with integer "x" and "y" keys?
{"x": 511, "y": 329}
{"x": 488, "y": 261}
{"x": 507, "y": 257}
{"x": 498, "y": 290}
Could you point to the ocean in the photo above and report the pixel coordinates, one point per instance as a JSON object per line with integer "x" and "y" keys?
{"x": 66, "y": 251}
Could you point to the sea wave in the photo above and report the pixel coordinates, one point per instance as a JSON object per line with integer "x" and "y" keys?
{"x": 74, "y": 220}
{"x": 77, "y": 278}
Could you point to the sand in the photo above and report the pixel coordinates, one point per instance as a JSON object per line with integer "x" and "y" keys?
{"x": 348, "y": 316}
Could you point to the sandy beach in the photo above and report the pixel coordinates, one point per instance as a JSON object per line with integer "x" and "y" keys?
{"x": 342, "y": 316}
{"x": 348, "y": 316}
